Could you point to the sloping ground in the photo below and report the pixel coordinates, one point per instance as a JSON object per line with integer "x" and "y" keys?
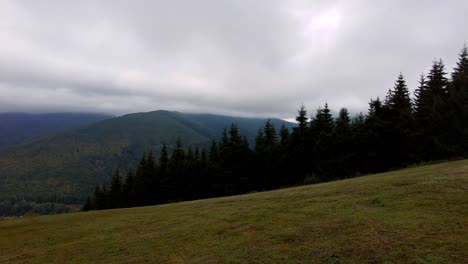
{"x": 416, "y": 215}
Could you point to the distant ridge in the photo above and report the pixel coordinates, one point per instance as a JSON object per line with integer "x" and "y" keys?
{"x": 16, "y": 128}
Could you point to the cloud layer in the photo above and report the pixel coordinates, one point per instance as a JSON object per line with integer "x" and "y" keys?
{"x": 249, "y": 58}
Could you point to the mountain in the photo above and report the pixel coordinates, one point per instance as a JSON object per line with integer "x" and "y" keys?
{"x": 17, "y": 128}
{"x": 415, "y": 215}
{"x": 64, "y": 167}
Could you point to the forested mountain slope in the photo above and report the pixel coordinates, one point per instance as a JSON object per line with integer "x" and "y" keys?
{"x": 63, "y": 167}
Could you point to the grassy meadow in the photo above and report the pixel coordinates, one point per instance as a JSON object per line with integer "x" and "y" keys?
{"x": 415, "y": 215}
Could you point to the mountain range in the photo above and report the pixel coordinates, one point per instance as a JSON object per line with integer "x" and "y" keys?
{"x": 17, "y": 128}
{"x": 64, "y": 167}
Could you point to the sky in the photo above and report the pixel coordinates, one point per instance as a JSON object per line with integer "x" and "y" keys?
{"x": 238, "y": 57}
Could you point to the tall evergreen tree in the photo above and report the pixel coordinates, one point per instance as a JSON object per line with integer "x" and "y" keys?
{"x": 420, "y": 103}
{"x": 235, "y": 159}
{"x": 128, "y": 189}
{"x": 301, "y": 119}
{"x": 398, "y": 124}
{"x": 432, "y": 113}
{"x": 343, "y": 122}
{"x": 178, "y": 155}
{"x": 213, "y": 155}
{"x": 267, "y": 157}
{"x": 376, "y": 136}
{"x": 260, "y": 141}
{"x": 398, "y": 100}
{"x": 224, "y": 137}
{"x": 104, "y": 197}
{"x": 284, "y": 162}
{"x": 115, "y": 193}
{"x": 271, "y": 138}
{"x": 323, "y": 121}
{"x": 458, "y": 105}
{"x": 284, "y": 135}
{"x": 88, "y": 205}
{"x": 341, "y": 146}
{"x": 98, "y": 198}
{"x": 145, "y": 179}
{"x": 437, "y": 80}
{"x": 299, "y": 148}
{"x": 321, "y": 135}
{"x": 163, "y": 159}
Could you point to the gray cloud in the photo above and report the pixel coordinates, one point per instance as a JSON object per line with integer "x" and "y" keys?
{"x": 250, "y": 58}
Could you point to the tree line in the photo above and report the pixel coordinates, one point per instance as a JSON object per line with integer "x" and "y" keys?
{"x": 397, "y": 131}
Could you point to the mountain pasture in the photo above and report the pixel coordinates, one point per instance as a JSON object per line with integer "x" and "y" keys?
{"x": 415, "y": 215}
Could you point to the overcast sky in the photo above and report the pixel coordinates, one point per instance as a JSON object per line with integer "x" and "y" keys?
{"x": 248, "y": 58}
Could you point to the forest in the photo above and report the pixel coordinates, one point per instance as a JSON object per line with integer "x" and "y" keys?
{"x": 397, "y": 131}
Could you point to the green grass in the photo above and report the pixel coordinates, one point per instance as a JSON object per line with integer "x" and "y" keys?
{"x": 416, "y": 215}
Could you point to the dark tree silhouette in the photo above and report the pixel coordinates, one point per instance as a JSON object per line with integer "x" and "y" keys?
{"x": 394, "y": 133}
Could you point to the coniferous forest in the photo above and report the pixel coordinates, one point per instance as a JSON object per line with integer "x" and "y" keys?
{"x": 397, "y": 131}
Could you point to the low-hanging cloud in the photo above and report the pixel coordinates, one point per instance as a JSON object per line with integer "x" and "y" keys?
{"x": 250, "y": 58}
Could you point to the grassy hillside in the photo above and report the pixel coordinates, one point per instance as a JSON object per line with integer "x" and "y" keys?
{"x": 68, "y": 165}
{"x": 416, "y": 215}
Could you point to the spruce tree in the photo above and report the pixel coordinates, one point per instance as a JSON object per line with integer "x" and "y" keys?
{"x": 115, "y": 193}
{"x": 141, "y": 182}
{"x": 104, "y": 197}
{"x": 213, "y": 155}
{"x": 300, "y": 148}
{"x": 197, "y": 154}
{"x": 398, "y": 122}
{"x": 420, "y": 103}
{"x": 436, "y": 132}
{"x": 375, "y": 138}
{"x": 271, "y": 138}
{"x": 224, "y": 138}
{"x": 437, "y": 80}
{"x": 163, "y": 159}
{"x": 284, "y": 135}
{"x": 178, "y": 156}
{"x": 260, "y": 141}
{"x": 177, "y": 176}
{"x": 340, "y": 164}
{"x": 343, "y": 122}
{"x": 189, "y": 172}
{"x": 323, "y": 122}
{"x": 98, "y": 198}
{"x": 235, "y": 138}
{"x": 128, "y": 189}
{"x": 301, "y": 118}
{"x": 458, "y": 105}
{"x": 284, "y": 161}
{"x": 398, "y": 100}
{"x": 321, "y": 129}
{"x": 88, "y": 205}
{"x": 461, "y": 70}
{"x": 267, "y": 157}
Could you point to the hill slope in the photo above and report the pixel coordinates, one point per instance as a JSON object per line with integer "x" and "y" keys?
{"x": 415, "y": 215}
{"x": 65, "y": 167}
{"x": 17, "y": 128}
